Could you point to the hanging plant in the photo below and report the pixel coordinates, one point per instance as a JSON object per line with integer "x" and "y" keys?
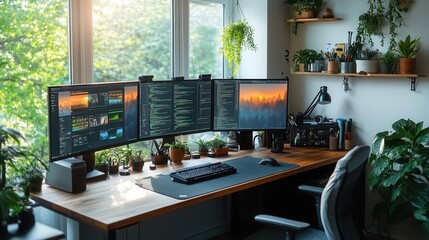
{"x": 371, "y": 23}
{"x": 236, "y": 37}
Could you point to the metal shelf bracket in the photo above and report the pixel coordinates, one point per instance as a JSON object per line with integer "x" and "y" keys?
{"x": 346, "y": 84}
{"x": 413, "y": 83}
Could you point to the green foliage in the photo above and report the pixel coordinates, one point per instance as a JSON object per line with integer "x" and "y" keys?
{"x": 389, "y": 57}
{"x": 408, "y": 48}
{"x": 10, "y": 203}
{"x": 306, "y": 56}
{"x": 103, "y": 156}
{"x": 217, "y": 142}
{"x": 33, "y": 55}
{"x": 400, "y": 172}
{"x": 368, "y": 54}
{"x": 131, "y": 39}
{"x": 236, "y": 37}
{"x": 203, "y": 145}
{"x": 378, "y": 15}
{"x": 299, "y": 5}
{"x": 178, "y": 145}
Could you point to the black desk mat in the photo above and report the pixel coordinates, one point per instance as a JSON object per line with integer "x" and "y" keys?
{"x": 248, "y": 168}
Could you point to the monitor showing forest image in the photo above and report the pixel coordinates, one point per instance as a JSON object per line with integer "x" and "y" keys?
{"x": 250, "y": 104}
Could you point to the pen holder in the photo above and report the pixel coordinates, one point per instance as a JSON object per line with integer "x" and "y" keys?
{"x": 348, "y": 144}
{"x": 333, "y": 143}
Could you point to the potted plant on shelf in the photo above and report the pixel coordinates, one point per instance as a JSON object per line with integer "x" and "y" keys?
{"x": 160, "y": 156}
{"x": 316, "y": 62}
{"x": 236, "y": 37}
{"x": 389, "y": 62}
{"x": 400, "y": 173}
{"x": 302, "y": 58}
{"x": 407, "y": 49}
{"x": 203, "y": 146}
{"x": 367, "y": 62}
{"x": 177, "y": 150}
{"x": 304, "y": 8}
{"x": 218, "y": 146}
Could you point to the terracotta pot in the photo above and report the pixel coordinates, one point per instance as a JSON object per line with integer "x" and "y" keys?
{"x": 137, "y": 166}
{"x": 407, "y": 65}
{"x": 333, "y": 67}
{"x": 301, "y": 67}
{"x": 305, "y": 13}
{"x": 203, "y": 152}
{"x": 159, "y": 159}
{"x": 177, "y": 155}
{"x": 221, "y": 151}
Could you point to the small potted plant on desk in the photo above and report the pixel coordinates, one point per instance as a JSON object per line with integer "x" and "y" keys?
{"x": 137, "y": 160}
{"x": 160, "y": 156}
{"x": 203, "y": 146}
{"x": 177, "y": 150}
{"x": 218, "y": 146}
{"x": 102, "y": 161}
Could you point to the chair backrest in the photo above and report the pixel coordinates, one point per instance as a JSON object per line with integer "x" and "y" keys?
{"x": 339, "y": 196}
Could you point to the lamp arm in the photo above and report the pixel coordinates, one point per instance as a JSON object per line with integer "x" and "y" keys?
{"x": 312, "y": 105}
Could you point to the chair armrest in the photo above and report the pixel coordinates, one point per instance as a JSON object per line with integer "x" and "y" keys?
{"x": 312, "y": 190}
{"x": 285, "y": 223}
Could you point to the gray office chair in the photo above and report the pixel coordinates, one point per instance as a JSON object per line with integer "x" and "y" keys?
{"x": 337, "y": 203}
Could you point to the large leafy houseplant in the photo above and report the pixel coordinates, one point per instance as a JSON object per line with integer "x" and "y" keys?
{"x": 400, "y": 173}
{"x": 236, "y": 37}
{"x": 11, "y": 204}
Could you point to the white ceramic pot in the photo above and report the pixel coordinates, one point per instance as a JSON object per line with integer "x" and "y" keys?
{"x": 367, "y": 66}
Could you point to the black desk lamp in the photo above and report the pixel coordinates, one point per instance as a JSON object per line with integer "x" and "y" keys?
{"x": 322, "y": 97}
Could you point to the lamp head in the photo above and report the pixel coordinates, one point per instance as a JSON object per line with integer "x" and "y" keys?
{"x": 324, "y": 98}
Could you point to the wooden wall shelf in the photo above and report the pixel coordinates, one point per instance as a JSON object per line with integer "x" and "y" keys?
{"x": 295, "y": 21}
{"x": 346, "y": 76}
{"x": 304, "y": 20}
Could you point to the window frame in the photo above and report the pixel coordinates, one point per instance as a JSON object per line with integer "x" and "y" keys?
{"x": 81, "y": 45}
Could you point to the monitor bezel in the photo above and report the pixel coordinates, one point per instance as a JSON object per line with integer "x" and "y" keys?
{"x": 173, "y": 135}
{"x": 81, "y": 153}
{"x": 280, "y": 80}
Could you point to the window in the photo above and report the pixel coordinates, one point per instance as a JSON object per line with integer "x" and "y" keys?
{"x": 33, "y": 55}
{"x": 131, "y": 38}
{"x": 205, "y": 25}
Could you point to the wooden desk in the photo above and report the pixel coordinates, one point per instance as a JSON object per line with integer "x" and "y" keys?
{"x": 117, "y": 202}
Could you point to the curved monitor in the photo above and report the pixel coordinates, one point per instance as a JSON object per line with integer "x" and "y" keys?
{"x": 89, "y": 117}
{"x": 250, "y": 104}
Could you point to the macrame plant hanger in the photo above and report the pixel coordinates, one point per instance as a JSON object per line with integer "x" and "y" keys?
{"x": 235, "y": 13}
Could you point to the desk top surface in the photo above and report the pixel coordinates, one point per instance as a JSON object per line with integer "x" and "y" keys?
{"x": 118, "y": 202}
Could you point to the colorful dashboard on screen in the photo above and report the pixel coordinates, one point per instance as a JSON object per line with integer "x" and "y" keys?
{"x": 91, "y": 117}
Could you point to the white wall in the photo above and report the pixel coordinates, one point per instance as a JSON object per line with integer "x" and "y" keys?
{"x": 373, "y": 103}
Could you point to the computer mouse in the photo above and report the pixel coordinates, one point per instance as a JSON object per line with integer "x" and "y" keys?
{"x": 269, "y": 161}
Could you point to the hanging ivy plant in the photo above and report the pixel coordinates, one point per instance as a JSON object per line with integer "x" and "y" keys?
{"x": 236, "y": 37}
{"x": 372, "y": 22}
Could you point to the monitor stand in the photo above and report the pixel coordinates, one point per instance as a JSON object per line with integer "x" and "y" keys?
{"x": 246, "y": 140}
{"x": 91, "y": 173}
{"x": 95, "y": 175}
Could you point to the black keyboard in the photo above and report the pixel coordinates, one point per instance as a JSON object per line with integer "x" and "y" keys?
{"x": 202, "y": 172}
